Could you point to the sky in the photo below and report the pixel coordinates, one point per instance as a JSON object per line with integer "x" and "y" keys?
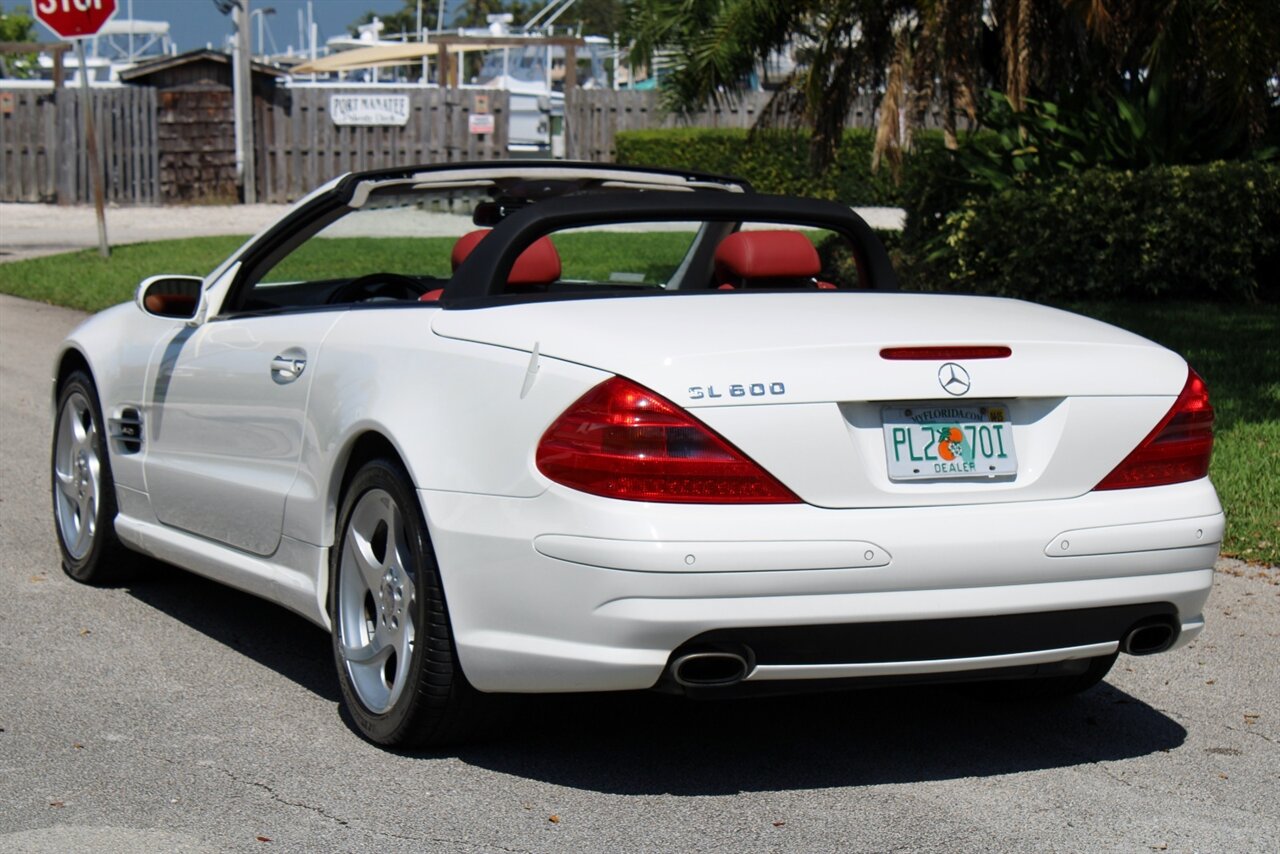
{"x": 195, "y": 23}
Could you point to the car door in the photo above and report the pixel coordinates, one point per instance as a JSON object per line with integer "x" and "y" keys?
{"x": 226, "y": 419}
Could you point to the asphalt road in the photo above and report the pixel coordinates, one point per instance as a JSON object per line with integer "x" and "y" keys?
{"x": 175, "y": 715}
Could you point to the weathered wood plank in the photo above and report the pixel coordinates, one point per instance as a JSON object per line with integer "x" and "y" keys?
{"x": 297, "y": 176}
{"x": 66, "y": 148}
{"x": 280, "y": 149}
{"x": 6, "y": 153}
{"x": 151, "y": 111}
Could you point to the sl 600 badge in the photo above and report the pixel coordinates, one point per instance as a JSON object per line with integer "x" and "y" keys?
{"x": 700, "y": 392}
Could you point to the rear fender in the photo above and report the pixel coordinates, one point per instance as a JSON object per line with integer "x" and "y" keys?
{"x": 462, "y": 417}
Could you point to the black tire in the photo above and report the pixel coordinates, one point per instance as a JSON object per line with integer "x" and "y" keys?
{"x": 1049, "y": 688}
{"x": 83, "y": 490}
{"x": 428, "y": 700}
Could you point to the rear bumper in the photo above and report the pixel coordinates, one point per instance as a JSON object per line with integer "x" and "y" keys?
{"x": 568, "y": 592}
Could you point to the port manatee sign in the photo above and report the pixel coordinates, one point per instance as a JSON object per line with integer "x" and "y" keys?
{"x": 74, "y": 19}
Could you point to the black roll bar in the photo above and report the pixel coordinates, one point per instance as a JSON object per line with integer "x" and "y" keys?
{"x": 484, "y": 273}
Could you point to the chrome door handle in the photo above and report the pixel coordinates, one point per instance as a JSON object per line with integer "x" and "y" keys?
{"x": 285, "y": 369}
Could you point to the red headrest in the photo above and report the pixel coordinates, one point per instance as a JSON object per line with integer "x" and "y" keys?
{"x": 766, "y": 255}
{"x": 539, "y": 264}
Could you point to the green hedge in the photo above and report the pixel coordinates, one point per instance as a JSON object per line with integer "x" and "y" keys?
{"x": 1175, "y": 231}
{"x": 778, "y": 161}
{"x": 1178, "y": 231}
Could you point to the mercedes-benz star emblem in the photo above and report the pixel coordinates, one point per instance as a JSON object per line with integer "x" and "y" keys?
{"x": 953, "y": 379}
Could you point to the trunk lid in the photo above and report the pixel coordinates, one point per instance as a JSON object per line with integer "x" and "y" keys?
{"x": 798, "y": 383}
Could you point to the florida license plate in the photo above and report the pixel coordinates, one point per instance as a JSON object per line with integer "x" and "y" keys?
{"x": 948, "y": 440}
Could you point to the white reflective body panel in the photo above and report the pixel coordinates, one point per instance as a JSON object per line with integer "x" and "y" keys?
{"x": 1081, "y": 393}
{"x": 224, "y": 430}
{"x": 582, "y": 627}
{"x": 554, "y": 590}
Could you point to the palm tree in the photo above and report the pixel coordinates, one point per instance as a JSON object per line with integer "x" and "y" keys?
{"x": 1214, "y": 61}
{"x": 845, "y": 47}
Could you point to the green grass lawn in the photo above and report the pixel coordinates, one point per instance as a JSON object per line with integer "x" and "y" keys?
{"x": 1236, "y": 348}
{"x": 85, "y": 281}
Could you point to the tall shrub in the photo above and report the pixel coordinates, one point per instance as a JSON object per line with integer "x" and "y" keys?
{"x": 778, "y": 161}
{"x": 1172, "y": 231}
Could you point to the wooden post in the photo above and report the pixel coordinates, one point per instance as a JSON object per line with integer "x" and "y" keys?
{"x": 242, "y": 91}
{"x": 95, "y": 164}
{"x": 570, "y": 67}
{"x": 55, "y": 50}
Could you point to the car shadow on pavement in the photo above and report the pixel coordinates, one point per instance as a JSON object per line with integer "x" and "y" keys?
{"x": 267, "y": 633}
{"x": 648, "y": 744}
{"x": 643, "y": 743}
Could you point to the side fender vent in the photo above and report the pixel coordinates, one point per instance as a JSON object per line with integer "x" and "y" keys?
{"x": 126, "y": 431}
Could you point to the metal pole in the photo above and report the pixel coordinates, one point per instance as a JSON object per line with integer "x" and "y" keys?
{"x": 95, "y": 165}
{"x": 243, "y": 96}
{"x": 312, "y": 35}
{"x": 237, "y": 122}
{"x": 422, "y": 38}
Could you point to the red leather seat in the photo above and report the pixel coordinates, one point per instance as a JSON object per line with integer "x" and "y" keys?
{"x": 767, "y": 259}
{"x": 538, "y": 264}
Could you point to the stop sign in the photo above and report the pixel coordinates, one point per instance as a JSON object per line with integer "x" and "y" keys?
{"x": 74, "y": 19}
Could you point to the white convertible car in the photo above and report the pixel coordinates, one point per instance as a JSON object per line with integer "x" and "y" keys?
{"x": 640, "y": 429}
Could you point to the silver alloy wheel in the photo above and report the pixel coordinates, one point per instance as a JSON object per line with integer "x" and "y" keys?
{"x": 375, "y": 607}
{"x": 77, "y": 472}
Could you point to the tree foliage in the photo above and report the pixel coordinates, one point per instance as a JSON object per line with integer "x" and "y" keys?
{"x": 1212, "y": 62}
{"x": 17, "y": 26}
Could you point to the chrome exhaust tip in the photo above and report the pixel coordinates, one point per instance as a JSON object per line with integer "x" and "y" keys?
{"x": 709, "y": 669}
{"x": 1148, "y": 637}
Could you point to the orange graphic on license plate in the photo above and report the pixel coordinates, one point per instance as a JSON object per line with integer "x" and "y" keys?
{"x": 950, "y": 445}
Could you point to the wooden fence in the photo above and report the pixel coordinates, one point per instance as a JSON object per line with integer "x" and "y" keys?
{"x": 593, "y": 117}
{"x": 300, "y": 147}
{"x": 43, "y": 158}
{"x": 28, "y": 146}
{"x": 125, "y": 120}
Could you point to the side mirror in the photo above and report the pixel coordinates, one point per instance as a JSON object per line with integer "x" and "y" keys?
{"x": 170, "y": 296}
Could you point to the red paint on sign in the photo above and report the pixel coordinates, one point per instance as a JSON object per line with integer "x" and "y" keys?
{"x": 481, "y": 123}
{"x": 73, "y": 19}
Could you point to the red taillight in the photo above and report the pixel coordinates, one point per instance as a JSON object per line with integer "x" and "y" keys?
{"x": 1177, "y": 450}
{"x": 621, "y": 440}
{"x": 942, "y": 353}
